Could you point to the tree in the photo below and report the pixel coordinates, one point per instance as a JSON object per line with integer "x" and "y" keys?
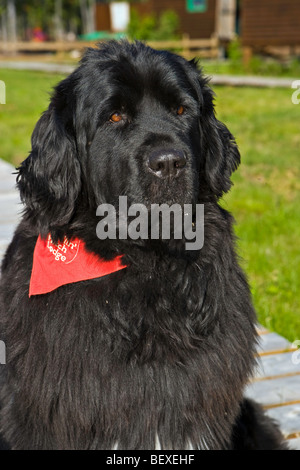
{"x": 58, "y": 20}
{"x": 8, "y": 20}
{"x": 87, "y": 9}
{"x": 3, "y": 27}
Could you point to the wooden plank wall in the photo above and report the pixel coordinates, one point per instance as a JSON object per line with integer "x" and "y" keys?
{"x": 270, "y": 23}
{"x": 103, "y": 21}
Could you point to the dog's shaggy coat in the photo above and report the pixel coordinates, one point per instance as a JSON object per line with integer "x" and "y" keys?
{"x": 156, "y": 355}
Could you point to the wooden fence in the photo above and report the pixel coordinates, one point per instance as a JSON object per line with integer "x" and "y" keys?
{"x": 187, "y": 47}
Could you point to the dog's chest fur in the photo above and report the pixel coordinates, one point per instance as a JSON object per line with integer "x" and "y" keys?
{"x": 131, "y": 361}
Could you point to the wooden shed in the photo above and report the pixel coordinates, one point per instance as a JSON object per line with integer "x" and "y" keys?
{"x": 200, "y": 19}
{"x": 270, "y": 23}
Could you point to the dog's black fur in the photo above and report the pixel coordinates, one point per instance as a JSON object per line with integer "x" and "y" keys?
{"x": 157, "y": 354}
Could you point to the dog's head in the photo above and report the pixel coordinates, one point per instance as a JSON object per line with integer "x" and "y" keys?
{"x": 128, "y": 121}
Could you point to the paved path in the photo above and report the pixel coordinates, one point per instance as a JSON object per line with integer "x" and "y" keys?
{"x": 10, "y": 205}
{"x": 217, "y": 79}
{"x": 41, "y": 66}
{"x": 277, "y": 380}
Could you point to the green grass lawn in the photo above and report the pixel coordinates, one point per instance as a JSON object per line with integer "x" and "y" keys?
{"x": 265, "y": 198}
{"x": 27, "y": 96}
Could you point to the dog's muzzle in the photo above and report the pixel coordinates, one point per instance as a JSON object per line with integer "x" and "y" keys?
{"x": 167, "y": 163}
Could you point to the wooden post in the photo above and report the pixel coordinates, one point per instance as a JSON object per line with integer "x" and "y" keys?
{"x": 185, "y": 44}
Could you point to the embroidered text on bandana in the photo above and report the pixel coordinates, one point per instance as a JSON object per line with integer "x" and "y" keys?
{"x": 57, "y": 264}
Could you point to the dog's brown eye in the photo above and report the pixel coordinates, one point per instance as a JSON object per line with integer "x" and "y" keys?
{"x": 116, "y": 117}
{"x": 180, "y": 110}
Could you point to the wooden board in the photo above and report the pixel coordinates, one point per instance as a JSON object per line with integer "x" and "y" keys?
{"x": 276, "y": 383}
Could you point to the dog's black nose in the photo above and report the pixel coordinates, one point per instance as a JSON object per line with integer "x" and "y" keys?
{"x": 166, "y": 163}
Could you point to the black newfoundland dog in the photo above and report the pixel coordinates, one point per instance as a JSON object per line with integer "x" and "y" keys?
{"x": 142, "y": 344}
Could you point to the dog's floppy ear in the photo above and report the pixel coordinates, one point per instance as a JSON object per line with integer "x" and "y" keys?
{"x": 220, "y": 150}
{"x": 49, "y": 179}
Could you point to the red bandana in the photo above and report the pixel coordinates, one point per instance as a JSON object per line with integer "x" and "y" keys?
{"x": 56, "y": 265}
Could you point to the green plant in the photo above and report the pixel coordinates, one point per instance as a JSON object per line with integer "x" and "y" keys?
{"x": 235, "y": 56}
{"x": 152, "y": 27}
{"x": 167, "y": 26}
{"x": 140, "y": 28}
{"x": 234, "y": 51}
